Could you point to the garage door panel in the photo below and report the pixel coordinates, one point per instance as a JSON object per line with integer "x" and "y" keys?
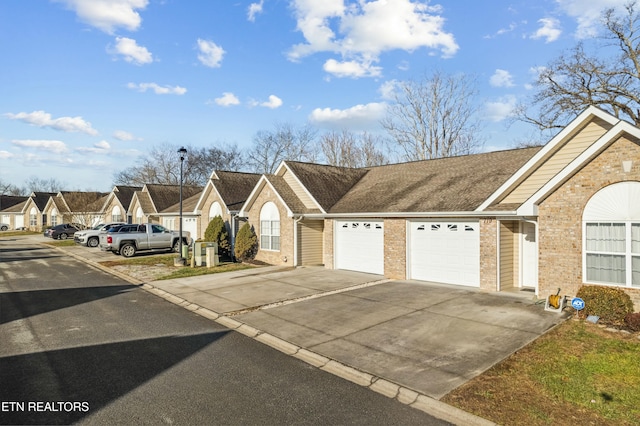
{"x": 445, "y": 251}
{"x": 360, "y": 246}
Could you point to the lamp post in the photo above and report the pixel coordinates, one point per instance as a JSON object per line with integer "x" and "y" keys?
{"x": 183, "y": 152}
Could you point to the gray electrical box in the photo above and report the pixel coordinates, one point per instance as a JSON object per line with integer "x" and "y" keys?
{"x": 201, "y": 250}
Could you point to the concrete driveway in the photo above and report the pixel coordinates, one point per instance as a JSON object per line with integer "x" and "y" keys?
{"x": 427, "y": 337}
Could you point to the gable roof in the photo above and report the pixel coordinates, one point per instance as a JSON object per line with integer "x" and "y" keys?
{"x": 16, "y": 208}
{"x": 234, "y": 187}
{"x": 40, "y": 199}
{"x": 7, "y": 201}
{"x": 325, "y": 184}
{"x": 79, "y": 201}
{"x": 188, "y": 206}
{"x": 163, "y": 196}
{"x": 452, "y": 184}
{"x": 124, "y": 194}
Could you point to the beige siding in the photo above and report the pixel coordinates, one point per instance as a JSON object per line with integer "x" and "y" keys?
{"x": 508, "y": 254}
{"x": 310, "y": 237}
{"x": 299, "y": 190}
{"x": 563, "y": 156}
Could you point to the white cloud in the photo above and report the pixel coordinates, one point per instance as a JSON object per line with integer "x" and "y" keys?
{"x": 351, "y": 69}
{"x": 158, "y": 90}
{"x": 361, "y": 31}
{"x": 65, "y": 124}
{"x": 130, "y": 51}
{"x": 121, "y": 135}
{"x": 5, "y": 155}
{"x": 210, "y": 53}
{"x": 57, "y": 147}
{"x": 501, "y": 78}
{"x": 588, "y": 14}
{"x": 227, "y": 99}
{"x": 107, "y": 15}
{"x": 254, "y": 9}
{"x": 549, "y": 30}
{"x": 501, "y": 109}
{"x": 359, "y": 116}
{"x": 101, "y": 147}
{"x": 388, "y": 89}
{"x": 273, "y": 102}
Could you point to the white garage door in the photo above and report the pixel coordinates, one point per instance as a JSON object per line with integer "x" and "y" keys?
{"x": 445, "y": 252}
{"x": 360, "y": 246}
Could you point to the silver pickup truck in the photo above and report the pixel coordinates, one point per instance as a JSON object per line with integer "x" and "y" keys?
{"x": 130, "y": 239}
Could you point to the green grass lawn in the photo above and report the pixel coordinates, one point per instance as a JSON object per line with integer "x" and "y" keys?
{"x": 577, "y": 374}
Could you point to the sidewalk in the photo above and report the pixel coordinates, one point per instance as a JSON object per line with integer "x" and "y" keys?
{"x": 412, "y": 341}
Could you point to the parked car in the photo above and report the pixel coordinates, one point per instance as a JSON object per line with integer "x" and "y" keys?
{"x": 62, "y": 231}
{"x": 129, "y": 239}
{"x": 91, "y": 237}
{"x": 4, "y": 226}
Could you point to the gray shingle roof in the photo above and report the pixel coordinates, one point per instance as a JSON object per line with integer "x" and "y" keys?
{"x": 235, "y": 187}
{"x": 454, "y": 184}
{"x": 327, "y": 184}
{"x": 79, "y": 201}
{"x": 41, "y": 198}
{"x": 288, "y": 196}
{"x": 164, "y": 196}
{"x": 124, "y": 194}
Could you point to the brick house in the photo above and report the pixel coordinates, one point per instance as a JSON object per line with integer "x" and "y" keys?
{"x": 83, "y": 208}
{"x": 535, "y": 219}
{"x": 117, "y": 204}
{"x": 33, "y": 216}
{"x": 154, "y": 198}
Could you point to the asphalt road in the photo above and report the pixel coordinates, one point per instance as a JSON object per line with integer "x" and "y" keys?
{"x": 78, "y": 345}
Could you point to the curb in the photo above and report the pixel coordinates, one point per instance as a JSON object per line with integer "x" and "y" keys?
{"x": 377, "y": 384}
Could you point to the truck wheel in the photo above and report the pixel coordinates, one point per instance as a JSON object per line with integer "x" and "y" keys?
{"x": 93, "y": 242}
{"x": 128, "y": 250}
{"x": 176, "y": 246}
{"x": 3, "y": 228}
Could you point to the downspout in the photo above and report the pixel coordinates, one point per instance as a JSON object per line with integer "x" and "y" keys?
{"x": 537, "y": 232}
{"x": 296, "y": 220}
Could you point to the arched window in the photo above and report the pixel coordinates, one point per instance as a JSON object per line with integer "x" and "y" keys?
{"x": 33, "y": 217}
{"x": 116, "y": 214}
{"x": 269, "y": 227}
{"x": 611, "y": 236}
{"x": 54, "y": 217}
{"x": 139, "y": 215}
{"x": 215, "y": 210}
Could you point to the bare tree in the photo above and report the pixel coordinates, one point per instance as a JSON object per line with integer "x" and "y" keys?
{"x": 7, "y": 188}
{"x": 285, "y": 142}
{"x": 578, "y": 79}
{"x": 161, "y": 165}
{"x": 35, "y": 184}
{"x": 346, "y": 149}
{"x": 435, "y": 117}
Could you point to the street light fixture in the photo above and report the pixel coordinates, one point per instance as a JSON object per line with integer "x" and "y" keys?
{"x": 183, "y": 153}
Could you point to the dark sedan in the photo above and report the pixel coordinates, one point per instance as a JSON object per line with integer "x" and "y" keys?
{"x": 62, "y": 231}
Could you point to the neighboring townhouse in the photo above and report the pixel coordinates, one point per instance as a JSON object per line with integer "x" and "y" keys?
{"x": 223, "y": 195}
{"x": 85, "y": 208}
{"x": 154, "y": 198}
{"x": 170, "y": 217}
{"x": 287, "y": 210}
{"x": 33, "y": 211}
{"x": 537, "y": 219}
{"x": 118, "y": 202}
{"x": 11, "y": 210}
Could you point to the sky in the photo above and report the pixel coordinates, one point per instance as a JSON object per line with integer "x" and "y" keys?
{"x": 89, "y": 86}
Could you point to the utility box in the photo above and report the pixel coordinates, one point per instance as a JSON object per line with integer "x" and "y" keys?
{"x": 200, "y": 252}
{"x": 212, "y": 256}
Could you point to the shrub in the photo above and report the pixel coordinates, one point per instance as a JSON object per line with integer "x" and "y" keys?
{"x": 217, "y": 232}
{"x": 246, "y": 243}
{"x": 609, "y": 303}
{"x": 633, "y": 321}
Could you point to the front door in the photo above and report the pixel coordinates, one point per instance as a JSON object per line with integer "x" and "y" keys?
{"x": 529, "y": 275}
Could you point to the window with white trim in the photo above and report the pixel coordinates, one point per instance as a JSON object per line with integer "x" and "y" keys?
{"x": 611, "y": 248}
{"x": 54, "y": 217}
{"x": 269, "y": 227}
{"x": 33, "y": 217}
{"x": 116, "y": 214}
